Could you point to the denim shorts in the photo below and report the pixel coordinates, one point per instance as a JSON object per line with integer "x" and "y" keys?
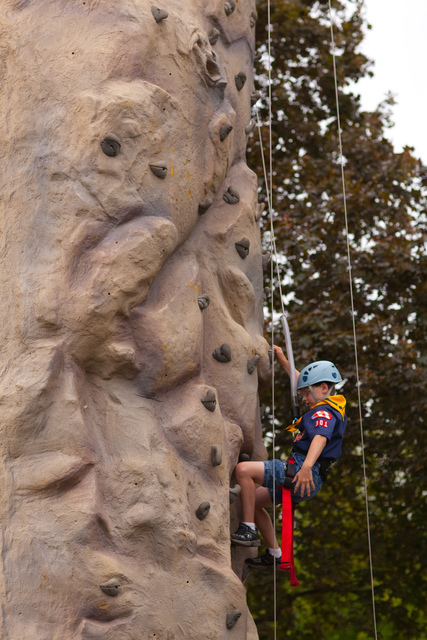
{"x": 279, "y": 469}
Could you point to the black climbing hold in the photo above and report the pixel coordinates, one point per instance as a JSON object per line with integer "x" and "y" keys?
{"x": 270, "y": 355}
{"x": 216, "y": 455}
{"x": 240, "y": 80}
{"x": 203, "y": 510}
{"x": 259, "y": 211}
{"x": 209, "y": 400}
{"x": 214, "y": 36}
{"x": 110, "y": 146}
{"x": 266, "y": 259}
{"x": 252, "y": 364}
{"x": 255, "y": 96}
{"x": 242, "y": 247}
{"x": 224, "y": 131}
{"x": 231, "y": 196}
{"x": 250, "y": 127}
{"x": 244, "y": 457}
{"x": 232, "y": 618}
{"x": 222, "y": 353}
{"x": 229, "y": 7}
{"x": 159, "y": 169}
{"x": 159, "y": 14}
{"x": 234, "y": 493}
{"x": 253, "y": 19}
{"x": 111, "y": 588}
{"x": 204, "y": 301}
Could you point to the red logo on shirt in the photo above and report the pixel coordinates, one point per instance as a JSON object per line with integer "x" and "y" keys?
{"x": 321, "y": 423}
{"x": 321, "y": 414}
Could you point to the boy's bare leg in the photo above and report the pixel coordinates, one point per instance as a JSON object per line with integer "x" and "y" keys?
{"x": 262, "y": 518}
{"x": 248, "y": 475}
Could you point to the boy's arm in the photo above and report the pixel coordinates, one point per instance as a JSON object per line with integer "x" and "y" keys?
{"x": 304, "y": 478}
{"x": 284, "y": 361}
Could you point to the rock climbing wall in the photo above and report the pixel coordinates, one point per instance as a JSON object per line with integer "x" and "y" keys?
{"x": 131, "y": 317}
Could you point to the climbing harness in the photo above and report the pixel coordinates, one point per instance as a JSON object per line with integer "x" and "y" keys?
{"x": 269, "y": 189}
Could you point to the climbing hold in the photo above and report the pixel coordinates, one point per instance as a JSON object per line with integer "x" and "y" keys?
{"x": 240, "y": 80}
{"x": 232, "y": 618}
{"x": 244, "y": 457}
{"x": 159, "y": 14}
{"x": 270, "y": 355}
{"x": 229, "y": 7}
{"x": 234, "y": 492}
{"x": 231, "y": 196}
{"x": 242, "y": 247}
{"x": 203, "y": 510}
{"x": 266, "y": 259}
{"x": 111, "y": 588}
{"x": 214, "y": 36}
{"x": 253, "y": 19}
{"x": 209, "y": 400}
{"x": 224, "y": 131}
{"x": 259, "y": 211}
{"x": 252, "y": 364}
{"x": 216, "y": 455}
{"x": 250, "y": 127}
{"x": 222, "y": 353}
{"x": 255, "y": 96}
{"x": 110, "y": 145}
{"x": 159, "y": 169}
{"x": 258, "y": 56}
{"x": 204, "y": 301}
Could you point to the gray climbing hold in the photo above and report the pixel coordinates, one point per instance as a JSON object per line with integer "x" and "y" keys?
{"x": 214, "y": 36}
{"x": 240, "y": 80}
{"x": 224, "y": 131}
{"x": 266, "y": 259}
{"x": 234, "y": 493}
{"x": 232, "y": 618}
{"x": 250, "y": 127}
{"x": 209, "y": 400}
{"x": 110, "y": 145}
{"x": 216, "y": 455}
{"x": 222, "y": 353}
{"x": 244, "y": 457}
{"x": 259, "y": 211}
{"x": 111, "y": 588}
{"x": 229, "y": 7}
{"x": 255, "y": 96}
{"x": 253, "y": 19}
{"x": 242, "y": 247}
{"x": 204, "y": 301}
{"x": 159, "y": 14}
{"x": 252, "y": 364}
{"x": 159, "y": 169}
{"x": 231, "y": 196}
{"x": 203, "y": 510}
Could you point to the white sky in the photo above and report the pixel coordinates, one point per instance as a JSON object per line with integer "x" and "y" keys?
{"x": 397, "y": 43}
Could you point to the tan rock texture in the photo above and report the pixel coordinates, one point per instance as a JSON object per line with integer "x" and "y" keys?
{"x": 126, "y": 207}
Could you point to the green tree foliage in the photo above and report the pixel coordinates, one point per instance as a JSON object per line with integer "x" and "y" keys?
{"x": 386, "y": 201}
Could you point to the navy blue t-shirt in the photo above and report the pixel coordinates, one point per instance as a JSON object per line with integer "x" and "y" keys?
{"x": 321, "y": 421}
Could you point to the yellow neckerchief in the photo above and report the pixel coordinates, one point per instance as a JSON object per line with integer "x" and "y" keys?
{"x": 336, "y": 402}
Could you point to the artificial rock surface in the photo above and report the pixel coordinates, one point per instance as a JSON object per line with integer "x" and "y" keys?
{"x": 113, "y": 229}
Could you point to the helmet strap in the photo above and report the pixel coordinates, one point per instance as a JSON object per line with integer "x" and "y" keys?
{"x": 313, "y": 393}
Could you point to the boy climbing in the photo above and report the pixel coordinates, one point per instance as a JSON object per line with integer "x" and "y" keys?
{"x": 317, "y": 444}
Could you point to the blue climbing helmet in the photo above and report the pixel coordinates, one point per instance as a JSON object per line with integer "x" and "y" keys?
{"x": 320, "y": 371}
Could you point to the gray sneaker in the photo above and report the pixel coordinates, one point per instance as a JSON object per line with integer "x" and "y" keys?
{"x": 246, "y": 536}
{"x": 264, "y": 562}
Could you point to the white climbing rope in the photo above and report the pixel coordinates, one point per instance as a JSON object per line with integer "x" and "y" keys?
{"x": 350, "y": 277}
{"x": 269, "y": 189}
